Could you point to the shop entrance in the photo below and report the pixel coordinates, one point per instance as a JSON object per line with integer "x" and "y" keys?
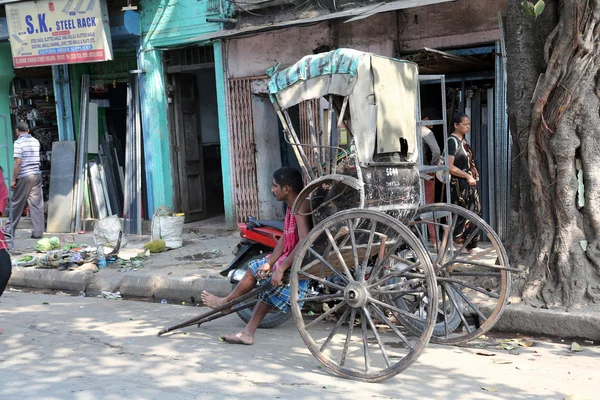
{"x": 32, "y": 101}
{"x": 196, "y": 150}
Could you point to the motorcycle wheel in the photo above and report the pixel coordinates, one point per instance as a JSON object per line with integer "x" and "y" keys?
{"x": 272, "y": 319}
{"x": 453, "y": 319}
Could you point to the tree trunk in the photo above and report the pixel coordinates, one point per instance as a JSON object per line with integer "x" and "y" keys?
{"x": 555, "y": 123}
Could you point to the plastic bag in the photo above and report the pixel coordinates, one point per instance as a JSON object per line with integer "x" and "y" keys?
{"x": 106, "y": 231}
{"x": 168, "y": 228}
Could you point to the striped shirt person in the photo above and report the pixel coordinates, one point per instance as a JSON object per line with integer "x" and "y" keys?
{"x": 26, "y": 183}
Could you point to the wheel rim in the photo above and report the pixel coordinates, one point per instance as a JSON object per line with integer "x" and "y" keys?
{"x": 475, "y": 283}
{"x": 349, "y": 254}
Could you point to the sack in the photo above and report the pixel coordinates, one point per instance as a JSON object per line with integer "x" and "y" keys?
{"x": 168, "y": 228}
{"x": 443, "y": 174}
{"x": 106, "y": 231}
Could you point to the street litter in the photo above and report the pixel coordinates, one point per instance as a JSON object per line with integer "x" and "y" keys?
{"x": 576, "y": 347}
{"x": 110, "y": 295}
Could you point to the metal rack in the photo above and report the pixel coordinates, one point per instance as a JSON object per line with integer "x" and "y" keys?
{"x": 444, "y": 122}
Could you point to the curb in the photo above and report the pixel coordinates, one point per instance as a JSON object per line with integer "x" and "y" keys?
{"x": 562, "y": 324}
{"x": 130, "y": 285}
{"x": 174, "y": 289}
{"x": 75, "y": 281}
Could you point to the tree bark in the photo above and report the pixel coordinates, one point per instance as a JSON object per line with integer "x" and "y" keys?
{"x": 554, "y": 115}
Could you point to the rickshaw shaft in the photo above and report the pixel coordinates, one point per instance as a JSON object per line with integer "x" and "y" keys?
{"x": 218, "y": 312}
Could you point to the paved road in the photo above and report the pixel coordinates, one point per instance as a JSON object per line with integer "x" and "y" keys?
{"x": 90, "y": 348}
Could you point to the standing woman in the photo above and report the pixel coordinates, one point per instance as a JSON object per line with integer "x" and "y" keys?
{"x": 5, "y": 264}
{"x": 463, "y": 179}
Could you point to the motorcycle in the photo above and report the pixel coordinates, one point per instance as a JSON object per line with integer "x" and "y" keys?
{"x": 259, "y": 238}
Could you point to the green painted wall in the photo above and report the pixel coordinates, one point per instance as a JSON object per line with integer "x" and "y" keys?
{"x": 6, "y": 76}
{"x": 155, "y": 125}
{"x": 173, "y": 22}
{"x": 170, "y": 24}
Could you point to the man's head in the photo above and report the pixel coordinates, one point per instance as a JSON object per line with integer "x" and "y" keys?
{"x": 427, "y": 126}
{"x": 22, "y": 128}
{"x": 286, "y": 181}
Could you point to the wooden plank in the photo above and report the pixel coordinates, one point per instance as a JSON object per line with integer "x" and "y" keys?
{"x": 62, "y": 179}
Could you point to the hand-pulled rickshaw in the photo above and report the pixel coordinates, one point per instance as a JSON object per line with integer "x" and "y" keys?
{"x": 391, "y": 277}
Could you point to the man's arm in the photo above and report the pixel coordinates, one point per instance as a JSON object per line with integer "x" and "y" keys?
{"x": 429, "y": 139}
{"x": 16, "y": 170}
{"x": 277, "y": 252}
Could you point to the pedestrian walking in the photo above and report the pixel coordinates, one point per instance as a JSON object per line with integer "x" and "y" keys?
{"x": 463, "y": 182}
{"x": 26, "y": 182}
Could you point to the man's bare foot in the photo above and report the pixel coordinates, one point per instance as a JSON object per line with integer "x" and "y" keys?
{"x": 212, "y": 301}
{"x": 239, "y": 338}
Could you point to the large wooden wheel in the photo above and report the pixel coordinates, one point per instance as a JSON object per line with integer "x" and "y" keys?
{"x": 474, "y": 284}
{"x": 354, "y": 331}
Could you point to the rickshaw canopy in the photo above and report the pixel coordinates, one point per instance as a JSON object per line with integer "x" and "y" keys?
{"x": 382, "y": 96}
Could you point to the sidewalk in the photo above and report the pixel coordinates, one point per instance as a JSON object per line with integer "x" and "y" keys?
{"x": 176, "y": 275}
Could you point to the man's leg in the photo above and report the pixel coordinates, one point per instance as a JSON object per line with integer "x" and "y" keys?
{"x": 36, "y": 207}
{"x": 246, "y": 336}
{"x": 247, "y": 283}
{"x": 19, "y": 201}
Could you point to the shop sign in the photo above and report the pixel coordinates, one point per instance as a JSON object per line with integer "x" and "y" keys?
{"x": 50, "y": 32}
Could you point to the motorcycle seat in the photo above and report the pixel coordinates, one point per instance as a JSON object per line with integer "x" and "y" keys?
{"x": 253, "y": 222}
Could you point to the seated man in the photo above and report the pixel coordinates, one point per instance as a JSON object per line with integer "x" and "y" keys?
{"x": 287, "y": 184}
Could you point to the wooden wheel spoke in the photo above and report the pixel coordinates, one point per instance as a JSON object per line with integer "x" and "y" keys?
{"x": 376, "y": 333}
{"x": 353, "y": 243}
{"x": 470, "y": 262}
{"x": 363, "y": 269}
{"x": 473, "y": 306}
{"x": 395, "y": 309}
{"x": 391, "y": 275}
{"x": 409, "y": 264}
{"x": 348, "y": 336}
{"x": 363, "y": 325}
{"x": 398, "y": 293}
{"x": 460, "y": 314}
{"x": 480, "y": 264}
{"x": 321, "y": 280}
{"x": 475, "y": 288}
{"x": 394, "y": 328}
{"x": 334, "y": 330}
{"x": 324, "y": 261}
{"x": 339, "y": 255}
{"x": 477, "y": 274}
{"x": 466, "y": 243}
{"x": 381, "y": 262}
{"x": 396, "y": 284}
{"x": 325, "y": 315}
{"x": 324, "y": 298}
{"x": 416, "y": 304}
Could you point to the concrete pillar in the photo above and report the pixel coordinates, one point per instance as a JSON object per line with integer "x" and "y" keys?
{"x": 226, "y": 167}
{"x": 6, "y": 76}
{"x": 155, "y": 128}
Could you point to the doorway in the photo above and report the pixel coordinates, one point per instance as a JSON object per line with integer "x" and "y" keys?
{"x": 195, "y": 149}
